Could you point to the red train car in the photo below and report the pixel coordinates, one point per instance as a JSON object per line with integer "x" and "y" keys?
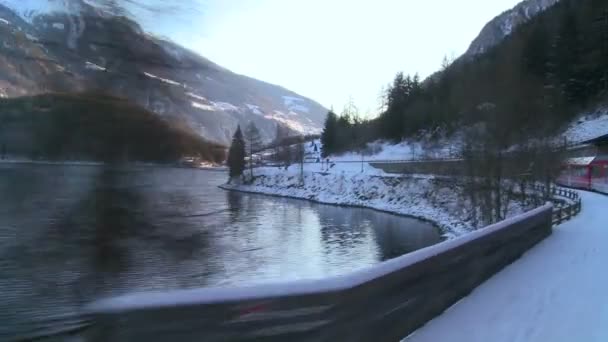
{"x": 589, "y": 173}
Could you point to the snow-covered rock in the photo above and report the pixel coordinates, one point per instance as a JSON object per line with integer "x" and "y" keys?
{"x": 504, "y": 24}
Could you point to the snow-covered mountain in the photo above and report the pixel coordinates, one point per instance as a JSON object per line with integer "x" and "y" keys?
{"x": 501, "y": 26}
{"x": 74, "y": 45}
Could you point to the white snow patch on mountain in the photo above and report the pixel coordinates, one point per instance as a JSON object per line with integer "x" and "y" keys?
{"x": 93, "y": 66}
{"x": 198, "y": 97}
{"x": 507, "y": 26}
{"x": 202, "y": 106}
{"x": 254, "y": 109}
{"x": 175, "y": 53}
{"x": 77, "y": 25}
{"x": 225, "y": 107}
{"x": 295, "y": 104}
{"x": 4, "y": 21}
{"x": 275, "y": 114}
{"x": 31, "y": 37}
{"x": 165, "y": 80}
{"x": 292, "y": 124}
{"x": 59, "y": 26}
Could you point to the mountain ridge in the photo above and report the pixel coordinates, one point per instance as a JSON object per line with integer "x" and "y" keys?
{"x": 57, "y": 50}
{"x": 503, "y": 25}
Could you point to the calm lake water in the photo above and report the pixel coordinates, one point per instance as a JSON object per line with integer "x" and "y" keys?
{"x": 71, "y": 234}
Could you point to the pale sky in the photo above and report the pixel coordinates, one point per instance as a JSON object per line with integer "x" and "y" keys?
{"x": 330, "y": 50}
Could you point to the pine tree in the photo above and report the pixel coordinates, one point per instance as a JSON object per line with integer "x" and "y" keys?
{"x": 299, "y": 153}
{"x": 398, "y": 101}
{"x": 254, "y": 143}
{"x": 568, "y": 59}
{"x": 236, "y": 154}
{"x": 328, "y": 137}
{"x": 281, "y": 148}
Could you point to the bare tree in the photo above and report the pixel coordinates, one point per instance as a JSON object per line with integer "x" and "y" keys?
{"x": 253, "y": 139}
{"x": 298, "y": 154}
{"x": 282, "y": 153}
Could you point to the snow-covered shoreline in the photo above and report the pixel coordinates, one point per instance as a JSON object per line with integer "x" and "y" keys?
{"x": 418, "y": 196}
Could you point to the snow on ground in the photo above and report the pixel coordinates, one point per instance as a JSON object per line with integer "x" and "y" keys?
{"x": 345, "y": 184}
{"x": 351, "y": 181}
{"x": 4, "y": 21}
{"x": 589, "y": 126}
{"x": 406, "y": 150}
{"x": 59, "y": 26}
{"x": 556, "y": 292}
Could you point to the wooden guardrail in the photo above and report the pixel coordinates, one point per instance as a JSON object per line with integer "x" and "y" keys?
{"x": 383, "y": 303}
{"x": 566, "y": 209}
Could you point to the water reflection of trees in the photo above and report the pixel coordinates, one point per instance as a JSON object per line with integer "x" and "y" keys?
{"x": 394, "y": 235}
{"x": 97, "y": 233}
{"x": 77, "y": 233}
{"x": 235, "y": 207}
{"x": 152, "y": 228}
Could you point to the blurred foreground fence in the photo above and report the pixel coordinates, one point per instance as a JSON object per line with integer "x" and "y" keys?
{"x": 564, "y": 210}
{"x": 383, "y": 303}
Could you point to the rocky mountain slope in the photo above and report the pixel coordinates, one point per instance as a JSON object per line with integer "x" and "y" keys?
{"x": 501, "y": 26}
{"x": 70, "y": 45}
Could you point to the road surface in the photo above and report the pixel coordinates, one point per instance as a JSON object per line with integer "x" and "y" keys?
{"x": 558, "y": 291}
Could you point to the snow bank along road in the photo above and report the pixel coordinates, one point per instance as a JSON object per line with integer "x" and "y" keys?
{"x": 557, "y": 291}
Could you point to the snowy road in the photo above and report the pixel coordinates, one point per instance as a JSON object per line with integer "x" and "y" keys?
{"x": 558, "y": 291}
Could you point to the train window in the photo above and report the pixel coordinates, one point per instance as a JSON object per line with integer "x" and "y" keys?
{"x": 580, "y": 172}
{"x": 596, "y": 171}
